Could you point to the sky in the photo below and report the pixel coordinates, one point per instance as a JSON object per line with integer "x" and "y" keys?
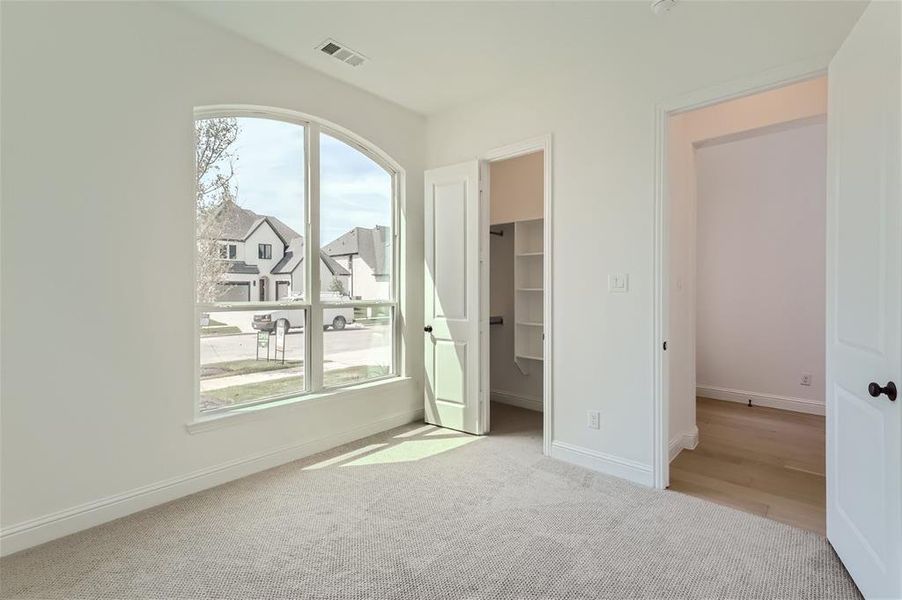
{"x": 269, "y": 178}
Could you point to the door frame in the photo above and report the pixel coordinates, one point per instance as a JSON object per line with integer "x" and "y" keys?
{"x": 747, "y": 86}
{"x": 528, "y": 146}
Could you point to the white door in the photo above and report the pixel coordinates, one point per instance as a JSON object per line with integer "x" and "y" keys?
{"x": 864, "y": 310}
{"x": 452, "y": 316}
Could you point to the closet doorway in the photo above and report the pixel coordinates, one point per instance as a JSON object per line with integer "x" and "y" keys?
{"x": 518, "y": 270}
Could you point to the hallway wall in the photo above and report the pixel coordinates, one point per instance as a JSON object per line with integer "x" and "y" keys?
{"x": 761, "y": 265}
{"x": 799, "y": 103}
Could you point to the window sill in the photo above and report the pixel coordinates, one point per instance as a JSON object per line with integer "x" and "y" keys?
{"x": 255, "y": 412}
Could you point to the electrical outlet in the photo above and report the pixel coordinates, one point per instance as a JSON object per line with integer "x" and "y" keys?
{"x": 594, "y": 419}
{"x": 806, "y": 379}
{"x": 619, "y": 283}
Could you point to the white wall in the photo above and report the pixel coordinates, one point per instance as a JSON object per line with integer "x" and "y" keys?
{"x": 761, "y": 263}
{"x": 798, "y": 103}
{"x": 97, "y": 151}
{"x": 365, "y": 284}
{"x": 517, "y": 188}
{"x": 603, "y": 125}
{"x": 264, "y": 234}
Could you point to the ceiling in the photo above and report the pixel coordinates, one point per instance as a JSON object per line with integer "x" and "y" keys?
{"x": 432, "y": 56}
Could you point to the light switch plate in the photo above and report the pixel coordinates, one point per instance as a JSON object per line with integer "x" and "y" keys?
{"x": 618, "y": 283}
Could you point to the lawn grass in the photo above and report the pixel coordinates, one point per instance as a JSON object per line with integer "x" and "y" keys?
{"x": 353, "y": 374}
{"x": 245, "y": 366}
{"x": 218, "y": 329}
{"x": 239, "y": 394}
{"x": 250, "y": 392}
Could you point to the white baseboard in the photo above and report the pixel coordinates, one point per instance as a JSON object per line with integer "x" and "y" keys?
{"x": 517, "y": 400}
{"x": 803, "y": 405}
{"x": 49, "y": 527}
{"x": 684, "y": 441}
{"x": 603, "y": 463}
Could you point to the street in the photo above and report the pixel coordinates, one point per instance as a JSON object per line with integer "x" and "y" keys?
{"x": 355, "y": 345}
{"x": 232, "y": 369}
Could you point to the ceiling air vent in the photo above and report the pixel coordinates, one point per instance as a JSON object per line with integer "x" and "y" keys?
{"x": 342, "y": 53}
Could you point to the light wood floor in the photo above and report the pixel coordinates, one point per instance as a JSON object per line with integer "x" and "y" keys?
{"x": 761, "y": 460}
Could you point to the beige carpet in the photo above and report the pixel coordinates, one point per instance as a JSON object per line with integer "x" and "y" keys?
{"x": 423, "y": 513}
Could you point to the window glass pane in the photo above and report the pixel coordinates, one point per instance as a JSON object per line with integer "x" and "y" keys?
{"x": 355, "y": 224}
{"x": 250, "y": 209}
{"x": 357, "y": 344}
{"x": 245, "y": 357}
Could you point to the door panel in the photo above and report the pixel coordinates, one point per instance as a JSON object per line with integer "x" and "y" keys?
{"x": 864, "y": 310}
{"x": 450, "y": 368}
{"x": 450, "y": 273}
{"x": 452, "y": 316}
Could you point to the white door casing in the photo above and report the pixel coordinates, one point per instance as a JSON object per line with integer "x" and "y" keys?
{"x": 864, "y": 303}
{"x": 452, "y": 317}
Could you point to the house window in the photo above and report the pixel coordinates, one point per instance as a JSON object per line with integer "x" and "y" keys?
{"x": 252, "y": 187}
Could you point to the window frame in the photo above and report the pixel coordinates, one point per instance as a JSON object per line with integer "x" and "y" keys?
{"x": 264, "y": 249}
{"x": 312, "y": 303}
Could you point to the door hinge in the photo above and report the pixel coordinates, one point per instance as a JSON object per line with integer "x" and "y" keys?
{"x": 665, "y": 346}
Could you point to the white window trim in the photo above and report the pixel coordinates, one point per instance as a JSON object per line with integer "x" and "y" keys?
{"x": 210, "y": 420}
{"x": 314, "y": 305}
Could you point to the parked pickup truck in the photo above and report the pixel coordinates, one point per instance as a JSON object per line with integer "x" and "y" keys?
{"x": 336, "y": 318}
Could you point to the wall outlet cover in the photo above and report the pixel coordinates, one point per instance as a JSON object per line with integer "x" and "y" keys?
{"x": 619, "y": 283}
{"x": 806, "y": 379}
{"x": 594, "y": 419}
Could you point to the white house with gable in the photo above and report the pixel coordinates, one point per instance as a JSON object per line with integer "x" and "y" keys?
{"x": 265, "y": 258}
{"x": 365, "y": 252}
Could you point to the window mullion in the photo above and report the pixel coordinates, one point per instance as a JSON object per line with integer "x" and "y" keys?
{"x": 314, "y": 331}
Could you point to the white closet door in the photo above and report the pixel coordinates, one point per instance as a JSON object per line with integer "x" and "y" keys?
{"x": 452, "y": 317}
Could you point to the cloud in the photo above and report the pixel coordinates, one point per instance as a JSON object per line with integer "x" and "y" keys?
{"x": 355, "y": 191}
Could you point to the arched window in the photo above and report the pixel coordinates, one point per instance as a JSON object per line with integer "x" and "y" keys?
{"x": 297, "y": 255}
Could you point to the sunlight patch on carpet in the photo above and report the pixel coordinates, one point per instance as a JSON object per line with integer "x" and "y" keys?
{"x": 412, "y": 450}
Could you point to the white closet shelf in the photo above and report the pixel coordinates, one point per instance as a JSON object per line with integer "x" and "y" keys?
{"x": 528, "y": 283}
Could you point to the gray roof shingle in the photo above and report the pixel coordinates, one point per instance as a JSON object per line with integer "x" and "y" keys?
{"x": 236, "y": 223}
{"x": 294, "y": 256}
{"x": 241, "y": 267}
{"x": 371, "y": 243}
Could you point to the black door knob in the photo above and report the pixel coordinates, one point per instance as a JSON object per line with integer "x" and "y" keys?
{"x": 889, "y": 389}
{"x": 428, "y": 329}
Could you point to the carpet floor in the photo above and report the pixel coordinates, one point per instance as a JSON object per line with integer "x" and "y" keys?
{"x": 426, "y": 513}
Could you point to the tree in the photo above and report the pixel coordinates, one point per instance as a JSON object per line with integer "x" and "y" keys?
{"x": 338, "y": 287}
{"x": 214, "y": 193}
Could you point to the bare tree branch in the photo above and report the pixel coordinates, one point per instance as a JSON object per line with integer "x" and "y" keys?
{"x": 215, "y": 169}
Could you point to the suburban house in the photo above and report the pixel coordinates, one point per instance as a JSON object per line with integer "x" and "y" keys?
{"x": 366, "y": 253}
{"x": 265, "y": 257}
